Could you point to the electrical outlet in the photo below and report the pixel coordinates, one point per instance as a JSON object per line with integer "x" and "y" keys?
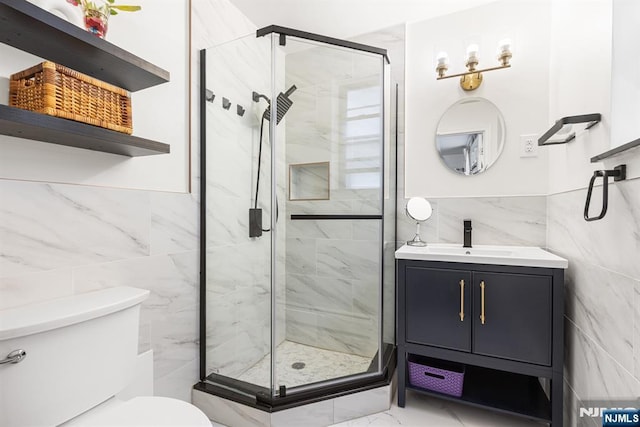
{"x": 529, "y": 145}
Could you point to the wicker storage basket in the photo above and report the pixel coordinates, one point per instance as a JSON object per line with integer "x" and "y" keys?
{"x": 56, "y": 90}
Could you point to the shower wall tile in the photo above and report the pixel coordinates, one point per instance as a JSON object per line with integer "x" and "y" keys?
{"x": 348, "y": 259}
{"x": 319, "y": 293}
{"x": 302, "y": 326}
{"x": 301, "y": 256}
{"x": 51, "y": 226}
{"x": 318, "y": 65}
{"x": 319, "y": 229}
{"x": 368, "y": 230}
{"x": 366, "y": 296}
{"x": 348, "y": 333}
{"x": 235, "y": 356}
{"x": 318, "y": 207}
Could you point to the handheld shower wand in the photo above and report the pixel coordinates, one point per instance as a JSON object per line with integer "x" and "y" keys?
{"x": 283, "y": 103}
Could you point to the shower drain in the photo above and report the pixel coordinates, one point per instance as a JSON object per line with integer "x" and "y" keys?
{"x": 298, "y": 365}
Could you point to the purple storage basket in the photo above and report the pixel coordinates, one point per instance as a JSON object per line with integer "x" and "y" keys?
{"x": 447, "y": 381}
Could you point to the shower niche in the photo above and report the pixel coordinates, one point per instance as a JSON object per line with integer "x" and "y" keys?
{"x": 309, "y": 181}
{"x": 300, "y": 309}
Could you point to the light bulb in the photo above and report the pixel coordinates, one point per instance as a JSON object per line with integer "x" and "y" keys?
{"x": 504, "y": 45}
{"x": 443, "y": 58}
{"x": 472, "y": 51}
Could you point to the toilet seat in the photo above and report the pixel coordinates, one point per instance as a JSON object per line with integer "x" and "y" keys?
{"x": 146, "y": 411}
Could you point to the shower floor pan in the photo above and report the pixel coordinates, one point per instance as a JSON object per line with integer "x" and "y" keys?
{"x": 319, "y": 365}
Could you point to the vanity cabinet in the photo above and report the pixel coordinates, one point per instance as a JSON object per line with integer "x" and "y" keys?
{"x": 503, "y": 323}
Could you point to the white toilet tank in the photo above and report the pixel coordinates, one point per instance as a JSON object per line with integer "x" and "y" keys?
{"x": 80, "y": 350}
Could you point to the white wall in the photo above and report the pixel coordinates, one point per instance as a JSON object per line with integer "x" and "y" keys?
{"x": 625, "y": 85}
{"x": 159, "y": 34}
{"x": 581, "y": 40}
{"x": 347, "y": 18}
{"x": 520, "y": 93}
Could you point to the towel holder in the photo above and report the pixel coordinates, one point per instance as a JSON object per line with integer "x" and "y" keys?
{"x": 619, "y": 173}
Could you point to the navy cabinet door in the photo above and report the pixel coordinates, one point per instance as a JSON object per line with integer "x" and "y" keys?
{"x": 438, "y": 304}
{"x": 512, "y": 316}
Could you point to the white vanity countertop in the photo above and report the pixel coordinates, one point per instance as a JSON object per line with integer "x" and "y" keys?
{"x": 524, "y": 256}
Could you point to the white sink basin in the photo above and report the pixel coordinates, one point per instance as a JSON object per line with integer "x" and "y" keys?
{"x": 525, "y": 256}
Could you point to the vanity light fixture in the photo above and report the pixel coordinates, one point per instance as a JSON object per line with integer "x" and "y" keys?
{"x": 472, "y": 79}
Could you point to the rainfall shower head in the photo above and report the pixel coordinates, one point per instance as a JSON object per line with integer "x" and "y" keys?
{"x": 284, "y": 103}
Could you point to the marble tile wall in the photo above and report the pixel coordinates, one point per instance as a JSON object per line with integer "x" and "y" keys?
{"x": 602, "y": 319}
{"x": 58, "y": 239}
{"x": 495, "y": 220}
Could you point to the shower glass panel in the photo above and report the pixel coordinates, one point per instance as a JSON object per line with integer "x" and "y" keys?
{"x": 238, "y": 268}
{"x": 298, "y": 290}
{"x": 332, "y": 264}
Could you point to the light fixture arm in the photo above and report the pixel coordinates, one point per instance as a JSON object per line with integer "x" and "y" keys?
{"x": 474, "y": 72}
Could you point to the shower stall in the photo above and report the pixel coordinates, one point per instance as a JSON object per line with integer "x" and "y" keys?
{"x": 298, "y": 196}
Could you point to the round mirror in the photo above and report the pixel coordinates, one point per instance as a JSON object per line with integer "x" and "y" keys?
{"x": 419, "y": 209}
{"x": 470, "y": 136}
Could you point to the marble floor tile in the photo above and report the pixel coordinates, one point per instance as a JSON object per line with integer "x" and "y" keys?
{"x": 423, "y": 411}
{"x": 428, "y": 411}
{"x": 320, "y": 365}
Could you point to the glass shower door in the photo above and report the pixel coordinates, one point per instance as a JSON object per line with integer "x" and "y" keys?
{"x": 238, "y": 267}
{"x": 329, "y": 177}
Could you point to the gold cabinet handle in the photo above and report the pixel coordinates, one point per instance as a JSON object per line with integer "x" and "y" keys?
{"x": 461, "y": 301}
{"x": 482, "y": 317}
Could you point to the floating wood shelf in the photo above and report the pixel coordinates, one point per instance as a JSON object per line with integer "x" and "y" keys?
{"x": 40, "y": 127}
{"x": 34, "y": 30}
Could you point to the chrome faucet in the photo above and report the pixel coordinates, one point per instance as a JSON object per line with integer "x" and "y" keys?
{"x": 467, "y": 233}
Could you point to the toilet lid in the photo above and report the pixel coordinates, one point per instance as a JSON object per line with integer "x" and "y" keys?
{"x": 150, "y": 411}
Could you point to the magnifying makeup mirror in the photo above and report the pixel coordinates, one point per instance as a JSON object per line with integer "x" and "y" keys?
{"x": 419, "y": 210}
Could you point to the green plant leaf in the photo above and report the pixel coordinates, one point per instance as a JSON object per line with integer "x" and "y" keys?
{"x": 111, "y": 1}
{"x": 126, "y": 8}
{"x": 112, "y": 12}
